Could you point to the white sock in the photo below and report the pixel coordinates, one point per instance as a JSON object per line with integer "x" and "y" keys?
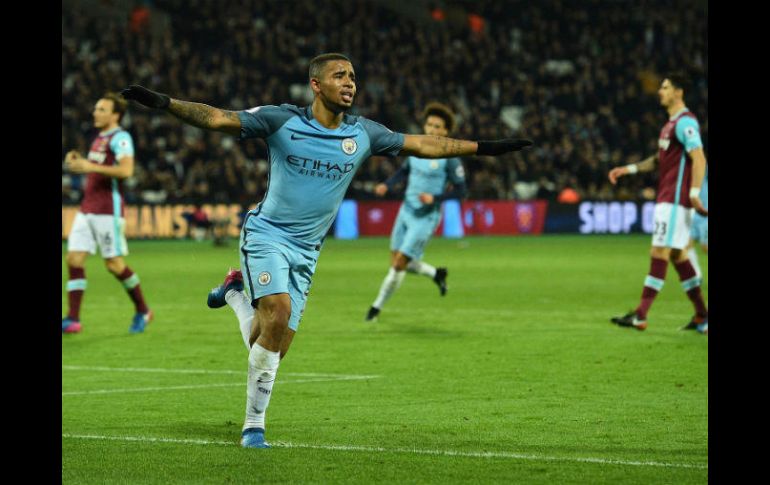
{"x": 693, "y": 255}
{"x": 389, "y": 286}
{"x": 422, "y": 268}
{"x": 263, "y": 366}
{"x": 241, "y": 305}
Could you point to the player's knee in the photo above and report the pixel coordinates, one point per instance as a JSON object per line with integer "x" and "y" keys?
{"x": 114, "y": 265}
{"x": 660, "y": 253}
{"x": 679, "y": 256}
{"x": 75, "y": 260}
{"x": 400, "y": 261}
{"x": 274, "y": 311}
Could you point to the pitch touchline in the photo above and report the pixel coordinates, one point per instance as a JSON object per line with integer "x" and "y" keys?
{"x": 468, "y": 454}
{"x": 200, "y": 371}
{"x": 203, "y": 386}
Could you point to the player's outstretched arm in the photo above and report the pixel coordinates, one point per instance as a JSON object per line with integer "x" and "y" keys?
{"x": 431, "y": 146}
{"x": 646, "y": 165}
{"x": 196, "y": 114}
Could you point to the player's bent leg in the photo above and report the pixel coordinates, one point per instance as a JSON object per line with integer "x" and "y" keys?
{"x": 76, "y": 287}
{"x": 390, "y": 284}
{"x": 231, "y": 293}
{"x": 130, "y": 281}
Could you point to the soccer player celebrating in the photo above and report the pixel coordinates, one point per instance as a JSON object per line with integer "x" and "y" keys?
{"x": 421, "y": 211}
{"x": 682, "y": 167}
{"x": 100, "y": 222}
{"x": 314, "y": 152}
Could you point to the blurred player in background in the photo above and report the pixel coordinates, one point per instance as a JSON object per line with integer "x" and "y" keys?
{"x": 682, "y": 165}
{"x": 314, "y": 153}
{"x": 421, "y": 211}
{"x": 100, "y": 222}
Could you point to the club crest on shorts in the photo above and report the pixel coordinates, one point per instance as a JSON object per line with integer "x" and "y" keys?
{"x": 349, "y": 146}
{"x": 264, "y": 278}
{"x": 433, "y": 164}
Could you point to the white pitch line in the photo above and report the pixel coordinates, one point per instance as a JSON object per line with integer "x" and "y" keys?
{"x": 199, "y": 371}
{"x": 203, "y": 386}
{"x": 377, "y": 449}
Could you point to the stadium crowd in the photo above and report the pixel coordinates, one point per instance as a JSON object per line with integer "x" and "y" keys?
{"x": 579, "y": 78}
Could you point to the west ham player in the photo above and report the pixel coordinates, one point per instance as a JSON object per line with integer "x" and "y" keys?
{"x": 314, "y": 153}
{"x": 421, "y": 211}
{"x": 682, "y": 167}
{"x": 100, "y": 222}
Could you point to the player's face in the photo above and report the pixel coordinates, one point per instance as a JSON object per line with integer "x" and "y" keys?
{"x": 103, "y": 114}
{"x": 668, "y": 94}
{"x": 337, "y": 85}
{"x": 435, "y": 125}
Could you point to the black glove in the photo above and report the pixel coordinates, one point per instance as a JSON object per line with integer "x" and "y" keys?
{"x": 498, "y": 147}
{"x": 144, "y": 96}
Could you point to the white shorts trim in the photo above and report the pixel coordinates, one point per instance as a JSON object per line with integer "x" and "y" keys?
{"x": 671, "y": 225}
{"x": 102, "y": 230}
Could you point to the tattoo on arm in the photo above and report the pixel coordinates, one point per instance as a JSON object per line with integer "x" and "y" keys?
{"x": 200, "y": 115}
{"x": 449, "y": 146}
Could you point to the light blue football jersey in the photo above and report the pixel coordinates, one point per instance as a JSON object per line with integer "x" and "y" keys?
{"x": 311, "y": 166}
{"x": 430, "y": 176}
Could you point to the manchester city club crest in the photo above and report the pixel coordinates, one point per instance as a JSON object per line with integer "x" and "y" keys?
{"x": 433, "y": 164}
{"x": 264, "y": 278}
{"x": 349, "y": 146}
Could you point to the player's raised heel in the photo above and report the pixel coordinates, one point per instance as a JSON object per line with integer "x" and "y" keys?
{"x": 371, "y": 315}
{"x": 254, "y": 438}
{"x": 233, "y": 281}
{"x": 440, "y": 279}
{"x": 68, "y": 325}
{"x": 630, "y": 319}
{"x": 703, "y": 327}
{"x": 140, "y": 321}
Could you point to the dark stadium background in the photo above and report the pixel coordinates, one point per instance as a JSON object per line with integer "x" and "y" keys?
{"x": 579, "y": 78}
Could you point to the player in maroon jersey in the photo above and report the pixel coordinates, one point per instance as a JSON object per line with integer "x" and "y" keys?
{"x": 682, "y": 165}
{"x": 100, "y": 220}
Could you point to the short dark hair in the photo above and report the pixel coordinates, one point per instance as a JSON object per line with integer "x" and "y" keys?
{"x": 679, "y": 80}
{"x": 442, "y": 111}
{"x": 317, "y": 63}
{"x": 119, "y": 103}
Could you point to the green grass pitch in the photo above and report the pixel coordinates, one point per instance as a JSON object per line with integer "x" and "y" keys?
{"x": 516, "y": 376}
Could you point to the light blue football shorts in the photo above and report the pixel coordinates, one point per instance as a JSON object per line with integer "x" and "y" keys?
{"x": 411, "y": 233}
{"x": 271, "y": 264}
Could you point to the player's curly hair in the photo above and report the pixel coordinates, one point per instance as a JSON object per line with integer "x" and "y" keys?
{"x": 441, "y": 110}
{"x": 317, "y": 63}
{"x": 119, "y": 103}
